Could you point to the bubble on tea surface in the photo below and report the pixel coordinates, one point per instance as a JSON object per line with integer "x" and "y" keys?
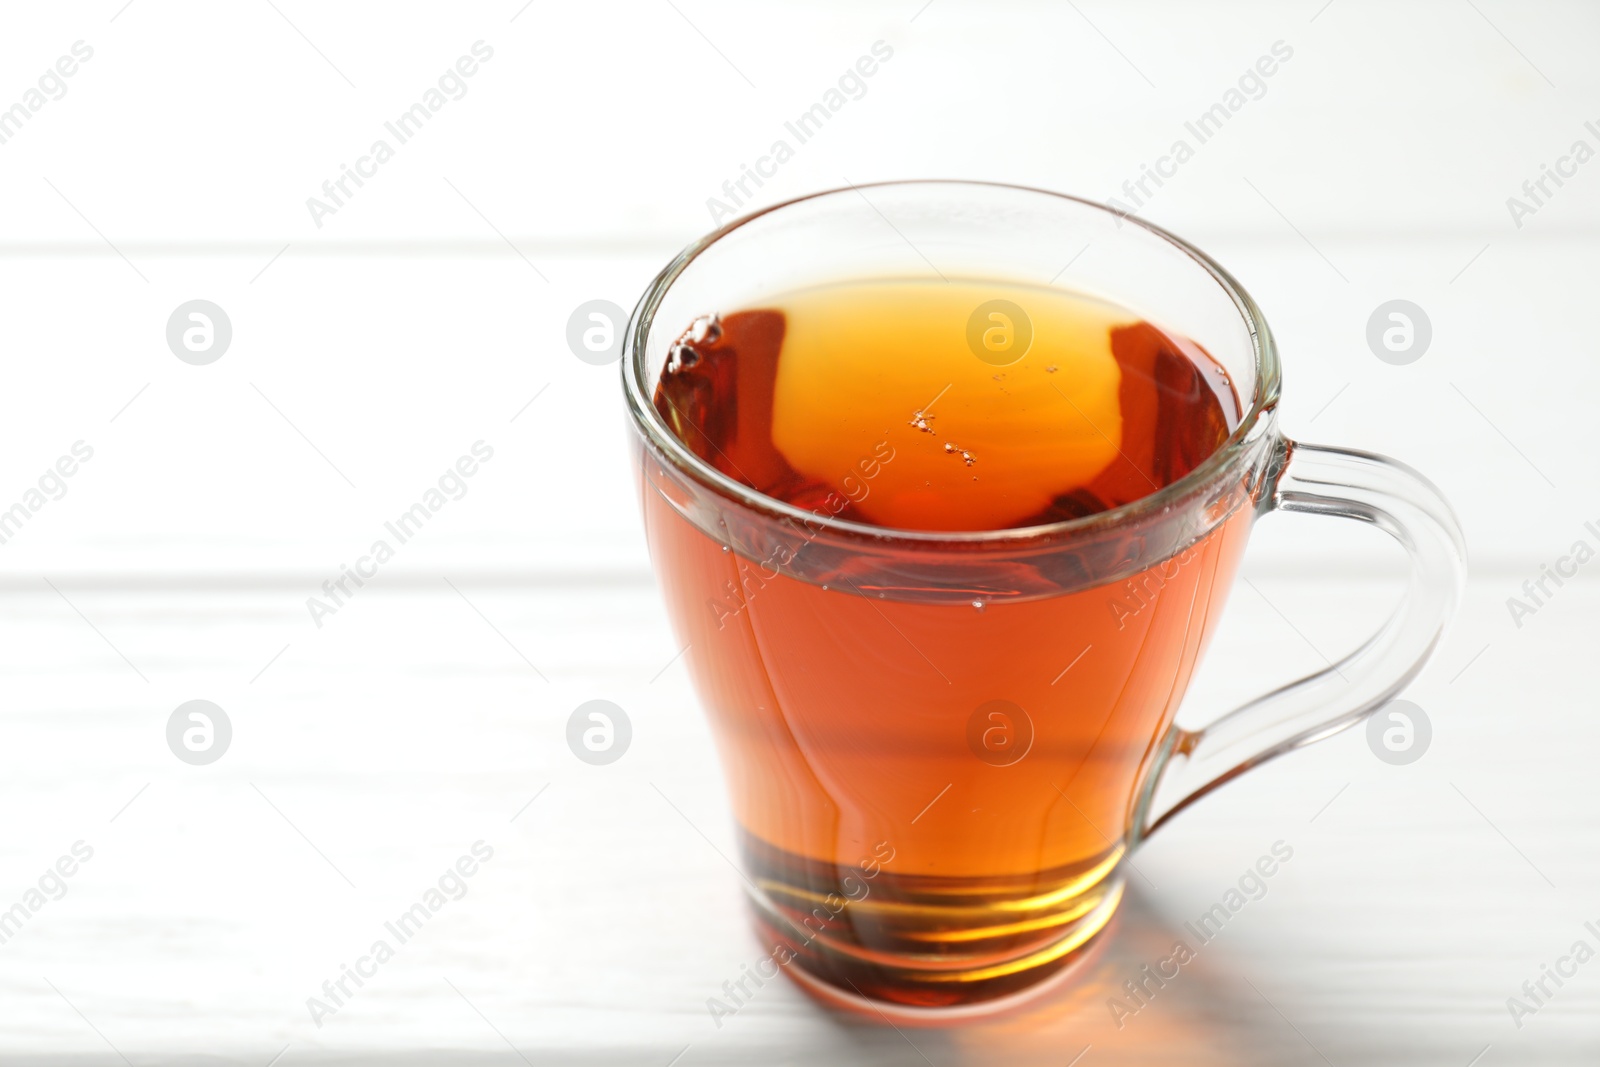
{"x": 707, "y": 329}
{"x": 953, "y": 449}
{"x": 682, "y": 357}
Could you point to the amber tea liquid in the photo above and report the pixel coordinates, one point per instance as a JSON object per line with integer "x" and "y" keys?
{"x": 934, "y": 796}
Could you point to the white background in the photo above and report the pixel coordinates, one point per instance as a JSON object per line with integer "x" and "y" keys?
{"x": 425, "y": 314}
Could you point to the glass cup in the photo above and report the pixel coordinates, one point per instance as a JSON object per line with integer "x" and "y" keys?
{"x": 942, "y": 834}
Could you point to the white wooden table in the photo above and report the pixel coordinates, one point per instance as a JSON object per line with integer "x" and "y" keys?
{"x": 428, "y": 713}
{"x": 371, "y": 755}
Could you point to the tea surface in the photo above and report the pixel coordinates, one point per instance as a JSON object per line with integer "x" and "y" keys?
{"x": 1055, "y": 407}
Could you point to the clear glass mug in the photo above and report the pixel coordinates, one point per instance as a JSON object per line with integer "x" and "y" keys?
{"x": 944, "y": 836}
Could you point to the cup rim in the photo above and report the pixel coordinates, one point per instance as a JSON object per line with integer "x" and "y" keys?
{"x": 1221, "y": 461}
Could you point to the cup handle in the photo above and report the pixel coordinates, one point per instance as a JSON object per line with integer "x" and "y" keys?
{"x": 1354, "y": 485}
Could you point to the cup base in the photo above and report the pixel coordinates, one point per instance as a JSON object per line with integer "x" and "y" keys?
{"x": 935, "y": 950}
{"x": 1080, "y": 962}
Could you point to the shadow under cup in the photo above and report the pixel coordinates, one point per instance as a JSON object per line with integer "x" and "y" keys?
{"x": 940, "y": 746}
